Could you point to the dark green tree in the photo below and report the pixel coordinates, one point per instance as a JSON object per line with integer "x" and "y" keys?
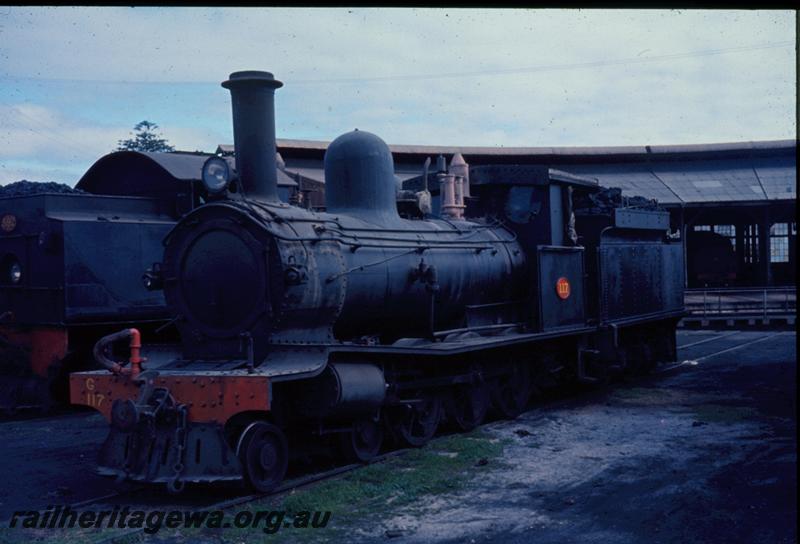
{"x": 145, "y": 139}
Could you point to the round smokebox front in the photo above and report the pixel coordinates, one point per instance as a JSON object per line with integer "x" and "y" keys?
{"x": 221, "y": 280}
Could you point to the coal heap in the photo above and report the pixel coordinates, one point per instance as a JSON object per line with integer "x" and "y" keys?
{"x": 606, "y": 199}
{"x": 25, "y": 187}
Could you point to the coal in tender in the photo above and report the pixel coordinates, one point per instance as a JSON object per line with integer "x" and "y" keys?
{"x": 25, "y": 187}
{"x": 603, "y": 201}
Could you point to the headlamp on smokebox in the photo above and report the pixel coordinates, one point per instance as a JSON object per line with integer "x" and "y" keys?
{"x": 217, "y": 175}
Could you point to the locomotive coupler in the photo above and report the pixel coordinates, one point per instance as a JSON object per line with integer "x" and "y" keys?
{"x": 148, "y": 421}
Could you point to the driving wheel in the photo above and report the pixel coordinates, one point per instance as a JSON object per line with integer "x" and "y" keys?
{"x": 363, "y": 442}
{"x": 264, "y": 455}
{"x": 511, "y": 391}
{"x": 415, "y": 423}
{"x": 468, "y": 404}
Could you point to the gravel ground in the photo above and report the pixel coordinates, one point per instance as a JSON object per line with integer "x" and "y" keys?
{"x": 50, "y": 461}
{"x": 705, "y": 452}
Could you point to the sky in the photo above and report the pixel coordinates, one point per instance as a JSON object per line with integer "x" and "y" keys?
{"x": 75, "y": 80}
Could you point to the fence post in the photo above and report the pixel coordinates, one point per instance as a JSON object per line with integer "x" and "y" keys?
{"x": 704, "y": 302}
{"x": 765, "y": 303}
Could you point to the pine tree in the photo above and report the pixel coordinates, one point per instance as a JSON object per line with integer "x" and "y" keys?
{"x": 145, "y": 139}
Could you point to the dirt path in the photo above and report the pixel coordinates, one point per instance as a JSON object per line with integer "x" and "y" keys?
{"x": 707, "y": 454}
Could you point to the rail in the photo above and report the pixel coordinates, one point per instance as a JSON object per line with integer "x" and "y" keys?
{"x": 752, "y": 301}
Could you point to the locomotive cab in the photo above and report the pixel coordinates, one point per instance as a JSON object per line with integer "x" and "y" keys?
{"x": 536, "y": 203}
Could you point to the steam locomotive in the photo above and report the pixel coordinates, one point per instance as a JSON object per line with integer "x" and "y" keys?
{"x": 71, "y": 262}
{"x": 711, "y": 260}
{"x": 355, "y": 323}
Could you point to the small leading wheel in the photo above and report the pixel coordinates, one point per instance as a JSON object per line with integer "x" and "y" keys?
{"x": 511, "y": 391}
{"x": 363, "y": 442}
{"x": 468, "y": 405}
{"x": 264, "y": 455}
{"x": 415, "y": 424}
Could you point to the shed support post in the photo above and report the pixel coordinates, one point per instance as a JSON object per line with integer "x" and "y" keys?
{"x": 763, "y": 249}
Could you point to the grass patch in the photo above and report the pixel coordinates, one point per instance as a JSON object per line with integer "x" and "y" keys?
{"x": 364, "y": 496}
{"x": 436, "y": 468}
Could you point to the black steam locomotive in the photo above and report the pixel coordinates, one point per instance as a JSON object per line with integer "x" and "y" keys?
{"x": 356, "y": 322}
{"x": 70, "y": 268}
{"x": 71, "y": 263}
{"x": 711, "y": 260}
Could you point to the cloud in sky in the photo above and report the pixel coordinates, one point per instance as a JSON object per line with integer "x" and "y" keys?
{"x": 74, "y": 80}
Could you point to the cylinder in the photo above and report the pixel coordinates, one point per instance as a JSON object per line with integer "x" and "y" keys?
{"x": 253, "y": 104}
{"x": 344, "y": 388}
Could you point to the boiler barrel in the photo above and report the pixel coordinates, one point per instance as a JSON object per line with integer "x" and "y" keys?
{"x": 389, "y": 289}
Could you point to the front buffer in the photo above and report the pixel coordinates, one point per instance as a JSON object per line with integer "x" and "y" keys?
{"x": 173, "y": 427}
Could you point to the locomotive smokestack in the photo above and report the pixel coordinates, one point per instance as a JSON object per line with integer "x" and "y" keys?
{"x": 253, "y": 103}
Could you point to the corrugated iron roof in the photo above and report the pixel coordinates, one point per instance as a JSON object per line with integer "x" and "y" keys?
{"x": 673, "y": 174}
{"x": 287, "y": 145}
{"x": 701, "y": 181}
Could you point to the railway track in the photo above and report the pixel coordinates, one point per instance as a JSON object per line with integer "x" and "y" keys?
{"x": 285, "y": 488}
{"x": 307, "y": 480}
